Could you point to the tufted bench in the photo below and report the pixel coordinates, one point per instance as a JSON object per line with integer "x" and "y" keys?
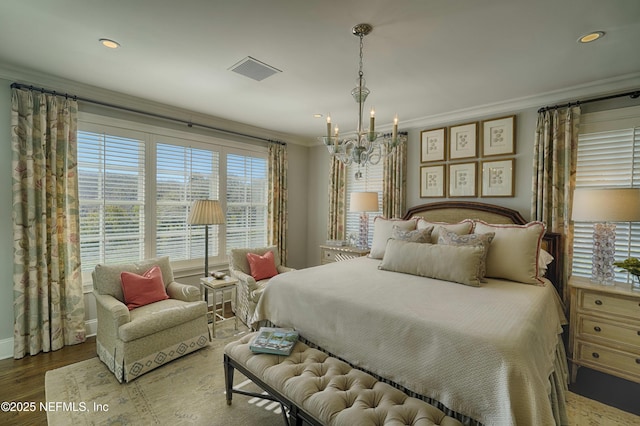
{"x": 322, "y": 390}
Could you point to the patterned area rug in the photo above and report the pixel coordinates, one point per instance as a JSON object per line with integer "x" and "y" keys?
{"x": 190, "y": 391}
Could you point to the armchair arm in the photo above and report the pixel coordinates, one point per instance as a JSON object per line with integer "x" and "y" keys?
{"x": 186, "y": 292}
{"x": 282, "y": 269}
{"x": 244, "y": 279}
{"x": 111, "y": 313}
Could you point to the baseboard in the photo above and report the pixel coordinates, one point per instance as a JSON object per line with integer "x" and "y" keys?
{"x": 6, "y": 345}
{"x": 6, "y": 348}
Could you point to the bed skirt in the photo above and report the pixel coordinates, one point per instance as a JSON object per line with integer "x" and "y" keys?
{"x": 558, "y": 381}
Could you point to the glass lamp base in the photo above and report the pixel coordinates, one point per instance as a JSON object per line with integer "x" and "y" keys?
{"x": 604, "y": 248}
{"x": 363, "y": 237}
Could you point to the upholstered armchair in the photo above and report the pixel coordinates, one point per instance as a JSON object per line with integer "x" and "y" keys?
{"x": 249, "y": 290}
{"x": 133, "y": 342}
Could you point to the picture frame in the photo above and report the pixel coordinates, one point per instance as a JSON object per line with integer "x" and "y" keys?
{"x": 432, "y": 181}
{"x": 499, "y": 136}
{"x": 463, "y": 141}
{"x": 498, "y": 178}
{"x": 462, "y": 180}
{"x": 433, "y": 145}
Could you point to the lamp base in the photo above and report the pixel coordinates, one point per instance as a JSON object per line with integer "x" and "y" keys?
{"x": 604, "y": 249}
{"x": 363, "y": 237}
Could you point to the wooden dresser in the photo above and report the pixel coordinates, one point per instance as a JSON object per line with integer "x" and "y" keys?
{"x": 329, "y": 254}
{"x": 604, "y": 329}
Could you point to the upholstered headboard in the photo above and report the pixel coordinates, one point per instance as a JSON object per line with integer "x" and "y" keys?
{"x": 455, "y": 211}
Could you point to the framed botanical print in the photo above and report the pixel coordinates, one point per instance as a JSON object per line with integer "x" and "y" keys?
{"x": 463, "y": 141}
{"x": 499, "y": 136}
{"x": 462, "y": 180}
{"x": 497, "y": 178}
{"x": 432, "y": 181}
{"x": 433, "y": 145}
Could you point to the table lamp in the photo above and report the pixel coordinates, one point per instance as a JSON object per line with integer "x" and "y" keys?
{"x": 604, "y": 207}
{"x": 363, "y": 202}
{"x": 206, "y": 212}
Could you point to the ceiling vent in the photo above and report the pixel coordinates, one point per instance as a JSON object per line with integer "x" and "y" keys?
{"x": 253, "y": 68}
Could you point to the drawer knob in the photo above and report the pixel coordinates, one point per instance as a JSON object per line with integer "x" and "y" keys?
{"x": 637, "y": 360}
{"x": 598, "y": 329}
{"x": 595, "y": 355}
{"x": 598, "y": 302}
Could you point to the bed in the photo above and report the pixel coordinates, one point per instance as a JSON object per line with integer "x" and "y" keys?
{"x": 490, "y": 354}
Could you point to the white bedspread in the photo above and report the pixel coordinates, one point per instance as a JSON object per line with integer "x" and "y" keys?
{"x": 484, "y": 352}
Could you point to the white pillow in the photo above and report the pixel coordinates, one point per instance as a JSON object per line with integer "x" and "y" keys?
{"x": 513, "y": 253}
{"x": 383, "y": 230}
{"x": 460, "y": 228}
{"x": 544, "y": 259}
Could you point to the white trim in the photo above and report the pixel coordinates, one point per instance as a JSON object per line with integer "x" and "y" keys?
{"x": 6, "y": 348}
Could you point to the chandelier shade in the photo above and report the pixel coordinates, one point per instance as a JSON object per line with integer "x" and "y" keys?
{"x": 365, "y": 146}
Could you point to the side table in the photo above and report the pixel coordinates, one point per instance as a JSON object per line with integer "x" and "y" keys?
{"x": 219, "y": 287}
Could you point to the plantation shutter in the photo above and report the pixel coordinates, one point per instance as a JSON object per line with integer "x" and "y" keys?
{"x": 111, "y": 180}
{"x": 363, "y": 179}
{"x": 184, "y": 174}
{"x": 247, "y": 189}
{"x": 608, "y": 157}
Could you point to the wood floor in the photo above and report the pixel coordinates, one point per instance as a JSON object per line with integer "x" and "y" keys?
{"x": 23, "y": 380}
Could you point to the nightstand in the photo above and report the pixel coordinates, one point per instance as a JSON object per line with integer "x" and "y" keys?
{"x": 604, "y": 329}
{"x": 330, "y": 254}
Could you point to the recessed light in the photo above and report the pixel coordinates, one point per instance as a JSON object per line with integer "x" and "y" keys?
{"x": 317, "y": 115}
{"x": 592, "y": 36}
{"x": 111, "y": 44}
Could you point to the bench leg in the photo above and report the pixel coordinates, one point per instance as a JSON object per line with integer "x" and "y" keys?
{"x": 228, "y": 379}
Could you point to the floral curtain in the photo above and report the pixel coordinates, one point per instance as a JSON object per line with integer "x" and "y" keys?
{"x": 48, "y": 299}
{"x": 554, "y": 175}
{"x": 337, "y": 200}
{"x": 278, "y": 196}
{"x": 394, "y": 183}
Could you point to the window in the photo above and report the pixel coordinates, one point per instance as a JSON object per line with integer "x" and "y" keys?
{"x": 246, "y": 201}
{"x": 183, "y": 174}
{"x": 363, "y": 179}
{"x": 137, "y": 183}
{"x": 608, "y": 156}
{"x": 111, "y": 181}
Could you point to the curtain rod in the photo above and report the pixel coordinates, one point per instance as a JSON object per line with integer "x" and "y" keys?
{"x": 632, "y": 95}
{"x": 137, "y": 111}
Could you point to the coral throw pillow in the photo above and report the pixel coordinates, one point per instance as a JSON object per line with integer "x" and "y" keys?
{"x": 140, "y": 290}
{"x": 262, "y": 267}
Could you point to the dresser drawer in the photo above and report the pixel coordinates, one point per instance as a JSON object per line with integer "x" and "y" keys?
{"x": 623, "y": 362}
{"x": 614, "y": 332}
{"x": 610, "y": 304}
{"x": 328, "y": 256}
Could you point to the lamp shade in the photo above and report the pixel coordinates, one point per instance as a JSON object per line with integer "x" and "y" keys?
{"x": 206, "y": 212}
{"x": 606, "y": 205}
{"x": 363, "y": 202}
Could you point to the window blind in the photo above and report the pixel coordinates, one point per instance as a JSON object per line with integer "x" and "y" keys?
{"x": 607, "y": 159}
{"x": 111, "y": 181}
{"x": 184, "y": 174}
{"x": 362, "y": 179}
{"x": 247, "y": 188}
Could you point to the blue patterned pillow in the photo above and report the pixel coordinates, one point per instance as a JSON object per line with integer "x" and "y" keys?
{"x": 483, "y": 240}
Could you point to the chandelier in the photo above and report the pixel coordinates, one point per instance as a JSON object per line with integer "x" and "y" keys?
{"x": 365, "y": 146}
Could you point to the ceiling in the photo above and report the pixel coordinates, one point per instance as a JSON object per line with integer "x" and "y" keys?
{"x": 424, "y": 58}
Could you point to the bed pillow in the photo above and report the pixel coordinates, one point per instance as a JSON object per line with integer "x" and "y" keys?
{"x": 415, "y": 236}
{"x": 262, "y": 267}
{"x": 513, "y": 253}
{"x": 544, "y": 259}
{"x": 460, "y": 228}
{"x": 459, "y": 264}
{"x": 484, "y": 240}
{"x": 382, "y": 231}
{"x": 140, "y": 290}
